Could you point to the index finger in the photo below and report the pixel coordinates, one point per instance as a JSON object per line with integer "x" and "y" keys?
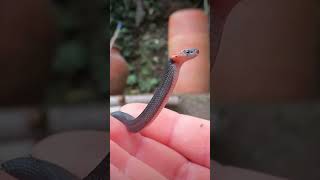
{"x": 188, "y": 135}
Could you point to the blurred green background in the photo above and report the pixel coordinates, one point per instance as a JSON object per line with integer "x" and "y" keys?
{"x": 80, "y": 66}
{"x": 143, "y": 38}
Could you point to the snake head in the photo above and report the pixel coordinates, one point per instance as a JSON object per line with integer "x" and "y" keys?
{"x": 185, "y": 55}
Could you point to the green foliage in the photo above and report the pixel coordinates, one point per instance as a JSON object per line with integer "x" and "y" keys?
{"x": 144, "y": 46}
{"x": 141, "y": 46}
{"x": 132, "y": 79}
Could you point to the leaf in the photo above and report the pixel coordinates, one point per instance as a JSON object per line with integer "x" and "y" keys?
{"x": 154, "y": 82}
{"x": 132, "y": 79}
{"x": 145, "y": 71}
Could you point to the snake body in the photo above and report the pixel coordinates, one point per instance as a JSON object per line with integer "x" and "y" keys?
{"x": 156, "y": 103}
{"x": 161, "y": 94}
{"x": 30, "y": 168}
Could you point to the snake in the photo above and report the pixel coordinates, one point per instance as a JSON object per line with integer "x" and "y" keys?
{"x": 161, "y": 94}
{"x": 31, "y": 168}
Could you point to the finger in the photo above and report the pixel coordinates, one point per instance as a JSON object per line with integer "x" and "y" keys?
{"x": 158, "y": 156}
{"x": 188, "y": 135}
{"x": 130, "y": 166}
{"x": 193, "y": 171}
{"x": 162, "y": 158}
{"x": 116, "y": 174}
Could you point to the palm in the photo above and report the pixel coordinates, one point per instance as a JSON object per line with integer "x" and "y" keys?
{"x": 174, "y": 146}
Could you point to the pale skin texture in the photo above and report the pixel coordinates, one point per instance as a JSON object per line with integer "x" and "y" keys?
{"x": 173, "y": 146}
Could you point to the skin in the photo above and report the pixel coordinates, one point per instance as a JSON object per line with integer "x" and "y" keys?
{"x": 31, "y": 168}
{"x": 174, "y": 146}
{"x": 161, "y": 95}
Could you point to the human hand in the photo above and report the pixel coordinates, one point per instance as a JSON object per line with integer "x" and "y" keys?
{"x": 173, "y": 146}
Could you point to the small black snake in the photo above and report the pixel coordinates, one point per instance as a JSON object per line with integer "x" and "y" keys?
{"x": 161, "y": 95}
{"x": 30, "y": 168}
